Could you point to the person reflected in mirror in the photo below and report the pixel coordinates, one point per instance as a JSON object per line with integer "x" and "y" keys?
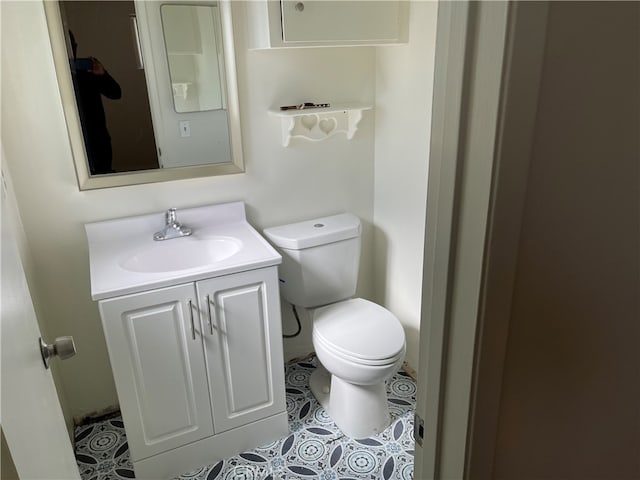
{"x": 92, "y": 82}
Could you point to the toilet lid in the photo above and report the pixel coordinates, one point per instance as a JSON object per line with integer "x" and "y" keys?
{"x": 360, "y": 329}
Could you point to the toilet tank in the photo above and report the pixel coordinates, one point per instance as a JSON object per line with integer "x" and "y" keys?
{"x": 320, "y": 259}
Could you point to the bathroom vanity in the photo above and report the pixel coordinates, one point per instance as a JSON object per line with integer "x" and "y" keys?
{"x": 193, "y": 329}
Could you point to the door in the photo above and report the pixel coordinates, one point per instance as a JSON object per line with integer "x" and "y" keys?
{"x": 173, "y": 103}
{"x": 558, "y": 383}
{"x": 31, "y": 418}
{"x": 155, "y": 347}
{"x": 243, "y": 346}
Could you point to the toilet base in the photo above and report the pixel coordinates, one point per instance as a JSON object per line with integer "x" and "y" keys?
{"x": 320, "y": 385}
{"x": 360, "y": 411}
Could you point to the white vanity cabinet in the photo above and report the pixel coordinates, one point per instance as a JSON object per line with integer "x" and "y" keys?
{"x": 194, "y": 334}
{"x": 242, "y": 349}
{"x": 193, "y": 365}
{"x": 159, "y": 368}
{"x": 312, "y": 23}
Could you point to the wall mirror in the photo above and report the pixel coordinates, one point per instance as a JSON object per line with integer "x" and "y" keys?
{"x": 148, "y": 88}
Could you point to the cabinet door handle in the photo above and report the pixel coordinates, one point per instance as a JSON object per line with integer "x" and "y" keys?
{"x": 209, "y": 303}
{"x": 193, "y": 327}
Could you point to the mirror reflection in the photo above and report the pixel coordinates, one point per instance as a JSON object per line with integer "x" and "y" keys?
{"x": 111, "y": 92}
{"x": 194, "y": 56}
{"x": 151, "y": 88}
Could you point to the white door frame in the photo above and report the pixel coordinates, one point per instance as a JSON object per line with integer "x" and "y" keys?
{"x": 489, "y": 62}
{"x": 451, "y": 41}
{"x": 470, "y": 53}
{"x": 524, "y": 60}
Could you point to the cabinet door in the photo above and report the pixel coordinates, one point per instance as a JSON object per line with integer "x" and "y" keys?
{"x": 159, "y": 368}
{"x": 342, "y": 21}
{"x": 243, "y": 347}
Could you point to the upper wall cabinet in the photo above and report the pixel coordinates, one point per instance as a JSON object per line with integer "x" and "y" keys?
{"x": 317, "y": 23}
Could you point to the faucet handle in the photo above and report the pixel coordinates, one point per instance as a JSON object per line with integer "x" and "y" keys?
{"x": 171, "y": 216}
{"x": 172, "y": 228}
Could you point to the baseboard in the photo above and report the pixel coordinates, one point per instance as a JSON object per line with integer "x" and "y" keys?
{"x": 97, "y": 416}
{"x": 409, "y": 370}
{"x": 304, "y": 358}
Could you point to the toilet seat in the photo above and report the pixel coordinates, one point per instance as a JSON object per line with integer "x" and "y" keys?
{"x": 359, "y": 331}
{"x": 320, "y": 343}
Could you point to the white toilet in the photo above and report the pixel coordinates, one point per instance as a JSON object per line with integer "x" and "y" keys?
{"x": 359, "y": 344}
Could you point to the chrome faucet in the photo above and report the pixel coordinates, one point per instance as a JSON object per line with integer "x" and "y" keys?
{"x": 173, "y": 228}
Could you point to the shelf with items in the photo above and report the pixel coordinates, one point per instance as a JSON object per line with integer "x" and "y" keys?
{"x": 316, "y": 124}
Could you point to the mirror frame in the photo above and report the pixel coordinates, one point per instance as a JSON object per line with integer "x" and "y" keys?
{"x": 72, "y": 117}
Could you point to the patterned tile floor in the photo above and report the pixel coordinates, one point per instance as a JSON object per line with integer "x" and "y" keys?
{"x": 314, "y": 449}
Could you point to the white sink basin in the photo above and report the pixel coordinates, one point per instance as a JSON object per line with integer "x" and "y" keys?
{"x": 181, "y": 254}
{"x": 124, "y": 258}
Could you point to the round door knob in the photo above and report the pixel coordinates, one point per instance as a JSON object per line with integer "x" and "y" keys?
{"x": 62, "y": 347}
{"x": 299, "y": 6}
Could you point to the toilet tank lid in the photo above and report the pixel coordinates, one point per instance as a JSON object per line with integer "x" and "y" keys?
{"x": 311, "y": 233}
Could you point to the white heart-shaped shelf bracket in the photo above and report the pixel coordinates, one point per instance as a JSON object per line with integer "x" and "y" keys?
{"x": 321, "y": 123}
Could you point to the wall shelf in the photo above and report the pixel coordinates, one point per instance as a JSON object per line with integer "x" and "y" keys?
{"x": 316, "y": 124}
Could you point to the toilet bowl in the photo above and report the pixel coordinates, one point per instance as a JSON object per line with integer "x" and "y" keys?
{"x": 350, "y": 383}
{"x": 359, "y": 344}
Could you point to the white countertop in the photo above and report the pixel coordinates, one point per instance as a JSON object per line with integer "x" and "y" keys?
{"x": 111, "y": 242}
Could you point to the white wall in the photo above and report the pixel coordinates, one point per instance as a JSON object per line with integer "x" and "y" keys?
{"x": 404, "y": 87}
{"x": 280, "y": 185}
